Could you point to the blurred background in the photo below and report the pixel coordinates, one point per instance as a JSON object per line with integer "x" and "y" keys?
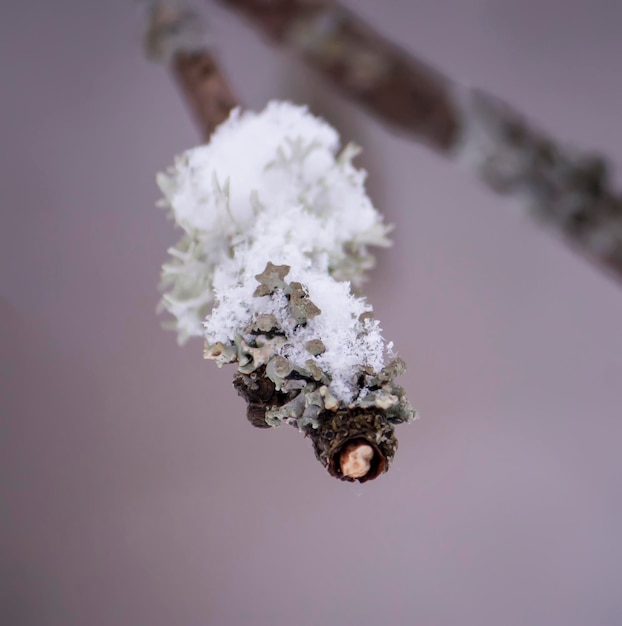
{"x": 132, "y": 488}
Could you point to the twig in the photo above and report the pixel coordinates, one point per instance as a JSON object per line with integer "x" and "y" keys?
{"x": 352, "y": 431}
{"x": 176, "y": 36}
{"x": 569, "y": 191}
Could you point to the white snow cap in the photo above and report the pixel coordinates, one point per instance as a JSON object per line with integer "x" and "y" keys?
{"x": 272, "y": 187}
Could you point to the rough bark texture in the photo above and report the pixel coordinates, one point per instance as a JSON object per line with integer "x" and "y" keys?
{"x": 338, "y": 429}
{"x": 568, "y": 191}
{"x": 334, "y": 429}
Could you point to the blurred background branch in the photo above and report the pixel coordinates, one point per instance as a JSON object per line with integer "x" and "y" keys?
{"x": 176, "y": 35}
{"x": 569, "y": 191}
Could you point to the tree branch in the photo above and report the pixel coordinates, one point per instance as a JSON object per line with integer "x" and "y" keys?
{"x": 176, "y": 36}
{"x": 352, "y": 431}
{"x": 569, "y": 191}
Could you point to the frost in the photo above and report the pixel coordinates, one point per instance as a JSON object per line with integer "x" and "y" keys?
{"x": 273, "y": 188}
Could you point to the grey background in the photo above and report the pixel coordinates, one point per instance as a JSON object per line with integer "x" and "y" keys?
{"x": 132, "y": 489}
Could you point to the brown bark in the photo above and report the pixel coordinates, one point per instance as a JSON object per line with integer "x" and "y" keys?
{"x": 206, "y": 90}
{"x": 177, "y": 36}
{"x": 403, "y": 91}
{"x": 337, "y": 430}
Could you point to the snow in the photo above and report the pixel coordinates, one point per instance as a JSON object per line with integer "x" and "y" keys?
{"x": 272, "y": 187}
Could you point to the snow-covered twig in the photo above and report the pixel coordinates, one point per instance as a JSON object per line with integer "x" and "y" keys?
{"x": 569, "y": 191}
{"x": 277, "y": 230}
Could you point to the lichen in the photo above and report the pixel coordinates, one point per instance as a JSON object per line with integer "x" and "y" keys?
{"x": 277, "y": 230}
{"x": 302, "y": 395}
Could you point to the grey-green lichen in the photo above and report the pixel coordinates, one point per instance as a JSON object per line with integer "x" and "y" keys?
{"x": 279, "y": 391}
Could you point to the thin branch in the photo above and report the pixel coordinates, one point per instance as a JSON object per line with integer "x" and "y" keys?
{"x": 569, "y": 191}
{"x": 176, "y": 36}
